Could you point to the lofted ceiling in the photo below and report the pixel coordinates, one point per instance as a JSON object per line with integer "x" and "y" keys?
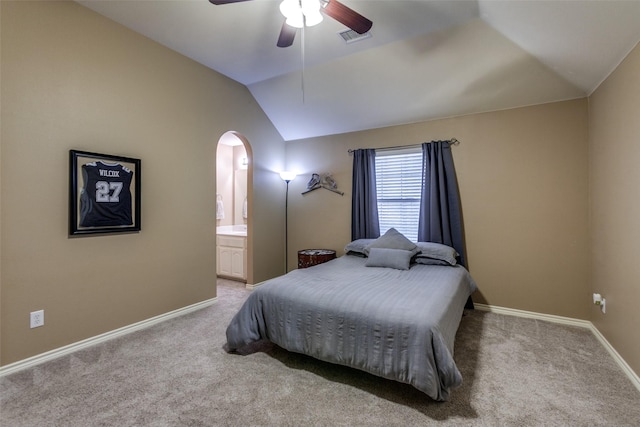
{"x": 425, "y": 60}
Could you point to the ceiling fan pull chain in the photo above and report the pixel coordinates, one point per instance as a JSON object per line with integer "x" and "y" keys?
{"x": 302, "y": 77}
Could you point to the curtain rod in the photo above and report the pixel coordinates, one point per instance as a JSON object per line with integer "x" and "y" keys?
{"x": 452, "y": 141}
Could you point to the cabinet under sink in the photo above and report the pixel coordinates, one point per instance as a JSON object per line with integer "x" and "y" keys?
{"x": 231, "y": 256}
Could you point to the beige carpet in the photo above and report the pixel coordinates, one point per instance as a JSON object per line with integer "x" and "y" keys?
{"x": 517, "y": 372}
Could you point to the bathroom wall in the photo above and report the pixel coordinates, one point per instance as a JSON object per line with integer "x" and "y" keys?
{"x": 239, "y": 184}
{"x": 224, "y": 185}
{"x": 231, "y": 187}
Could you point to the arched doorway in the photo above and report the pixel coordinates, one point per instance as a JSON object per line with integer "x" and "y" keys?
{"x": 234, "y": 210}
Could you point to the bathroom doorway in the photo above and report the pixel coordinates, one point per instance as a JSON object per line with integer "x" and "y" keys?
{"x": 234, "y": 177}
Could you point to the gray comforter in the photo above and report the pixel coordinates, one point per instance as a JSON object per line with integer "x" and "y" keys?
{"x": 397, "y": 324}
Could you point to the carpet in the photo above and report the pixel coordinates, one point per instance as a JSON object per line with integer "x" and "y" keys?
{"x": 516, "y": 371}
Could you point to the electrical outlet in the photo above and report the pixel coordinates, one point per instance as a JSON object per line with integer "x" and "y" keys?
{"x": 597, "y": 298}
{"x": 37, "y": 319}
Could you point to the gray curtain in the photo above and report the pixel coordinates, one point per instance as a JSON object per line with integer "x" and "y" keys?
{"x": 364, "y": 204}
{"x": 440, "y": 214}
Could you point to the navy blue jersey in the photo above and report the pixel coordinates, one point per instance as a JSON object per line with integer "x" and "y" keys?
{"x": 105, "y": 199}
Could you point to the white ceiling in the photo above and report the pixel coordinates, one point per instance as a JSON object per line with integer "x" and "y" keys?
{"x": 425, "y": 60}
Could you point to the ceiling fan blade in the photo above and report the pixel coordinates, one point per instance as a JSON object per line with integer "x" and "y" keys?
{"x": 347, "y": 16}
{"x": 219, "y": 2}
{"x": 287, "y": 34}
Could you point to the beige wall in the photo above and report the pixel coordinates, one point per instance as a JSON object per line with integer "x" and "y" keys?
{"x": 71, "y": 79}
{"x": 523, "y": 181}
{"x": 614, "y": 175}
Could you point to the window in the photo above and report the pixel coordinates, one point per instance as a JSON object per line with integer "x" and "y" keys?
{"x": 398, "y": 184}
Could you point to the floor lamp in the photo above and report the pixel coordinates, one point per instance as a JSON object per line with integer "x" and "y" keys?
{"x": 286, "y": 177}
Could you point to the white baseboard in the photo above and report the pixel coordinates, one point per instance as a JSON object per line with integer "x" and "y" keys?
{"x": 533, "y": 315}
{"x": 255, "y": 285}
{"x": 572, "y": 322}
{"x": 68, "y": 349}
{"x": 616, "y": 356}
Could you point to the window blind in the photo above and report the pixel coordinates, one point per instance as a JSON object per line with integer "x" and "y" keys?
{"x": 398, "y": 184}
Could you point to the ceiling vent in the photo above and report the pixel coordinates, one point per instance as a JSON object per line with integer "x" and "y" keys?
{"x": 350, "y": 36}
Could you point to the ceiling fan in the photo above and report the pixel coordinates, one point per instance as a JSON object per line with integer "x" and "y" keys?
{"x": 300, "y": 13}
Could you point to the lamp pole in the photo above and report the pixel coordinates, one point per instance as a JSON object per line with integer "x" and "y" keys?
{"x": 286, "y": 177}
{"x": 286, "y": 229}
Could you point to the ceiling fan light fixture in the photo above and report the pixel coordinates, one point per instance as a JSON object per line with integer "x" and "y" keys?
{"x": 289, "y": 7}
{"x": 313, "y": 18}
{"x": 311, "y": 11}
{"x": 299, "y": 13}
{"x": 295, "y": 21}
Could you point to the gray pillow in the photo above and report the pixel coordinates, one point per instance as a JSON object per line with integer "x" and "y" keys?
{"x": 357, "y": 247}
{"x": 431, "y": 261}
{"x": 436, "y": 251}
{"x": 389, "y": 258}
{"x": 392, "y": 239}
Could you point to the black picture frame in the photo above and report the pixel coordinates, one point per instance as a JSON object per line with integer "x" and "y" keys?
{"x": 112, "y": 204}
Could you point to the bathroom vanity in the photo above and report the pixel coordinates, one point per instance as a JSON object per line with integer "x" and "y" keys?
{"x": 231, "y": 252}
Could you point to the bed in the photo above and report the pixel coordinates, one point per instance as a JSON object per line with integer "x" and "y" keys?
{"x": 396, "y": 323}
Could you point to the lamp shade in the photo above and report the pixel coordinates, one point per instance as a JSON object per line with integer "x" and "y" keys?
{"x": 287, "y": 176}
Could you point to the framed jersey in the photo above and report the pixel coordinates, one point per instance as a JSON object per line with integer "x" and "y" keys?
{"x": 104, "y": 193}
